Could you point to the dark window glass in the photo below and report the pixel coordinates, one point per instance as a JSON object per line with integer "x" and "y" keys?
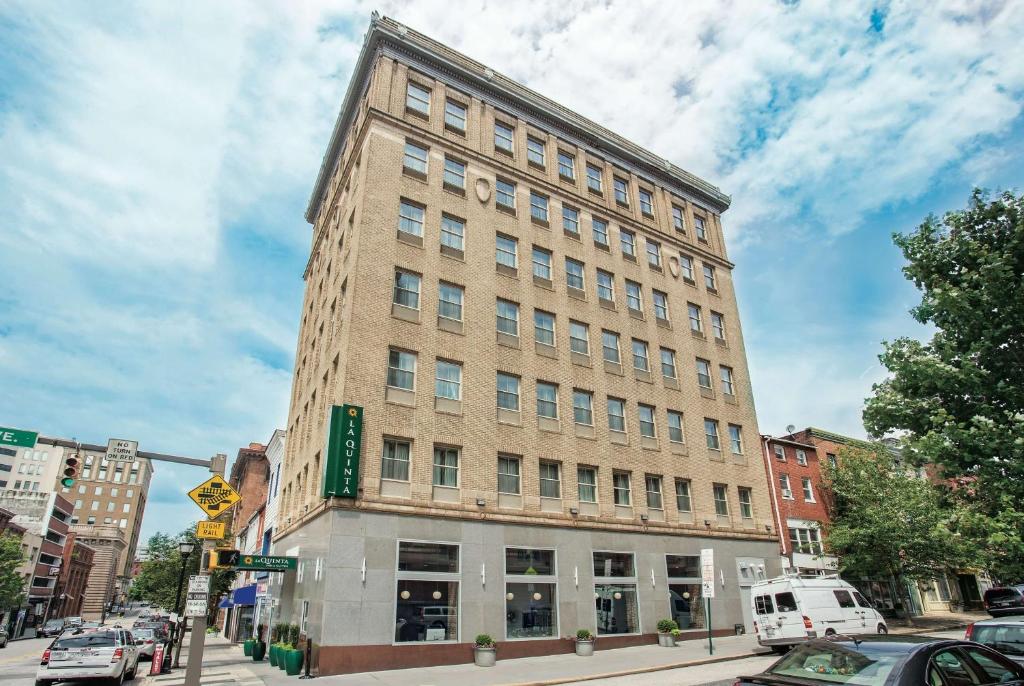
{"x": 529, "y": 561}
{"x": 1007, "y": 639}
{"x": 613, "y": 564}
{"x": 998, "y": 669}
{"x": 96, "y": 639}
{"x": 785, "y": 602}
{"x": 844, "y": 598}
{"x": 763, "y": 605}
{"x": 427, "y": 557}
{"x": 687, "y": 566}
{"x": 426, "y": 611}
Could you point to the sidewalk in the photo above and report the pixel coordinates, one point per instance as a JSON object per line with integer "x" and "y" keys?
{"x": 539, "y": 671}
{"x": 223, "y": 663}
{"x": 945, "y": 621}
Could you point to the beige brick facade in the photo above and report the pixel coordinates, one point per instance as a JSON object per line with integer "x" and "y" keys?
{"x": 349, "y": 321}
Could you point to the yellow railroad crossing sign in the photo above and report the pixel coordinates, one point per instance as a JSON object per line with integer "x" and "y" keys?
{"x": 214, "y": 496}
{"x": 210, "y": 530}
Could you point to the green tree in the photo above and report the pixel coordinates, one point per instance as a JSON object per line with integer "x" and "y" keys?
{"x": 886, "y": 520}
{"x": 12, "y": 586}
{"x": 157, "y": 580}
{"x": 959, "y": 398}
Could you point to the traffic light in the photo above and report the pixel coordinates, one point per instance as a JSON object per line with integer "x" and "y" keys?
{"x": 224, "y": 558}
{"x": 71, "y": 465}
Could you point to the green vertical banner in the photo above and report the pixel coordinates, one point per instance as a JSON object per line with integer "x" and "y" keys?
{"x": 344, "y": 446}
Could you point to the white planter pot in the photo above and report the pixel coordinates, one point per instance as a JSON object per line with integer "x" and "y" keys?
{"x": 666, "y": 641}
{"x": 585, "y": 648}
{"x": 485, "y": 657}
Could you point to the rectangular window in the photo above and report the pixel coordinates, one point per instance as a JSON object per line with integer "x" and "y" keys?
{"x": 610, "y": 346}
{"x": 407, "y": 289}
{"x": 808, "y": 490}
{"x": 454, "y": 173}
{"x": 505, "y": 194}
{"x": 446, "y": 467}
{"x": 736, "y": 439}
{"x": 702, "y": 234}
{"x": 401, "y": 369}
{"x": 683, "y": 502}
{"x": 503, "y": 136}
{"x": 579, "y": 337}
{"x": 711, "y": 434}
{"x": 654, "y": 254}
{"x": 721, "y": 500}
{"x": 634, "y": 296}
{"x": 780, "y": 453}
{"x": 646, "y": 202}
{"x": 718, "y": 325}
{"x": 544, "y": 327}
{"x": 686, "y": 267}
{"x": 574, "y": 274}
{"x": 703, "y": 373}
{"x": 506, "y": 251}
{"x": 542, "y": 263}
{"x": 620, "y": 488}
{"x": 600, "y": 232}
{"x": 654, "y": 499}
{"x": 571, "y": 220}
{"x": 449, "y": 304}
{"x": 547, "y": 400}
{"x": 529, "y": 562}
{"x": 535, "y": 151}
{"x": 627, "y": 239}
{"x": 427, "y": 592}
{"x": 417, "y": 98}
{"x": 668, "y": 363}
{"x": 617, "y": 415}
{"x": 801, "y": 457}
{"x": 660, "y": 305}
{"x": 508, "y": 392}
{"x": 508, "y": 317}
{"x": 709, "y": 277}
{"x": 605, "y": 286}
{"x": 678, "y": 219}
{"x": 566, "y": 166}
{"x": 725, "y": 374}
{"x": 530, "y": 608}
{"x": 696, "y": 325}
{"x": 594, "y": 181}
{"x": 453, "y": 232}
{"x": 746, "y": 503}
{"x": 621, "y": 190}
{"x": 586, "y": 479}
{"x": 550, "y": 480}
{"x": 508, "y": 475}
{"x": 675, "y": 427}
{"x": 455, "y": 116}
{"x": 832, "y": 461}
{"x": 395, "y": 460}
{"x": 538, "y": 206}
{"x": 410, "y": 218}
{"x": 415, "y": 157}
{"x": 787, "y": 492}
{"x": 805, "y": 541}
{"x": 646, "y": 416}
{"x": 448, "y": 380}
{"x": 640, "y": 360}
{"x": 583, "y": 407}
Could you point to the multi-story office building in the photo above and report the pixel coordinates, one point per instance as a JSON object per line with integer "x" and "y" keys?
{"x": 77, "y": 563}
{"x": 30, "y": 469}
{"x": 538, "y": 319}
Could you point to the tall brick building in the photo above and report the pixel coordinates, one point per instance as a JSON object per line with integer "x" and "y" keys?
{"x": 538, "y": 319}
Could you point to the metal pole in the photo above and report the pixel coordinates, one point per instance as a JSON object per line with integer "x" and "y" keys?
{"x": 707, "y": 612}
{"x": 175, "y": 631}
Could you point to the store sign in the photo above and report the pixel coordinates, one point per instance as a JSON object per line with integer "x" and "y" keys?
{"x": 267, "y": 563}
{"x": 707, "y": 572}
{"x": 344, "y": 446}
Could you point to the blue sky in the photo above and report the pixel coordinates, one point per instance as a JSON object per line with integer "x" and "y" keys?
{"x": 155, "y": 168}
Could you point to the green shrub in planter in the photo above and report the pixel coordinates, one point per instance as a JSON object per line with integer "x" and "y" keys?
{"x": 667, "y": 626}
{"x": 485, "y": 652}
{"x": 247, "y": 647}
{"x": 584, "y": 642}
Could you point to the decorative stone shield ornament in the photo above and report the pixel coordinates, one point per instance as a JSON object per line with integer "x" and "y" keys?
{"x": 673, "y": 266}
{"x": 483, "y": 190}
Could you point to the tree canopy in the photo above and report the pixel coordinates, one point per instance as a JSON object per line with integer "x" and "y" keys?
{"x": 12, "y": 586}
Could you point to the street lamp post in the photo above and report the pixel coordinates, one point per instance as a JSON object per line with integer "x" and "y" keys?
{"x": 177, "y": 630}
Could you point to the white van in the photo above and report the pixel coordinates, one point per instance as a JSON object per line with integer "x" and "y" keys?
{"x": 791, "y": 609}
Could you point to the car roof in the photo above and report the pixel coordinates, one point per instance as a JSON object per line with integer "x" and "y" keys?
{"x": 906, "y": 642}
{"x": 1011, "y": 620}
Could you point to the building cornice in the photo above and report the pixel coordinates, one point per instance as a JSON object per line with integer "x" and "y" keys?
{"x": 386, "y": 36}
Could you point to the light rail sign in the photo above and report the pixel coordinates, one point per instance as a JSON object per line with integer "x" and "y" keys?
{"x": 214, "y": 496}
{"x": 213, "y": 531}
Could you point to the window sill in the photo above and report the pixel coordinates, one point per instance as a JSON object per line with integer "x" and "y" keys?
{"x": 416, "y": 113}
{"x": 549, "y": 425}
{"x": 536, "y": 165}
{"x": 641, "y": 375}
{"x": 445, "y": 494}
{"x": 410, "y": 239}
{"x": 510, "y": 501}
{"x": 636, "y": 314}
{"x": 678, "y": 449}
{"x": 406, "y": 314}
{"x": 550, "y": 504}
{"x": 720, "y": 342}
{"x": 613, "y": 368}
{"x": 607, "y": 304}
{"x": 545, "y": 350}
{"x": 390, "y": 488}
{"x": 415, "y": 174}
{"x": 708, "y": 393}
{"x": 546, "y": 284}
{"x": 450, "y": 325}
{"x": 602, "y": 246}
{"x": 454, "y": 189}
{"x": 506, "y": 270}
{"x": 508, "y": 340}
{"x": 543, "y": 223}
{"x": 454, "y": 129}
{"x": 448, "y": 406}
{"x": 647, "y": 215}
{"x": 584, "y": 430}
{"x": 576, "y": 293}
{"x": 730, "y": 398}
{"x": 629, "y": 258}
{"x": 648, "y": 443}
{"x": 670, "y": 382}
{"x": 453, "y": 253}
{"x": 698, "y": 334}
{"x": 400, "y": 396}
{"x": 663, "y": 323}
{"x": 502, "y": 151}
{"x": 622, "y": 512}
{"x": 595, "y": 191}
{"x": 579, "y": 359}
{"x": 509, "y": 417}
{"x": 618, "y": 437}
{"x": 511, "y": 211}
{"x": 574, "y": 235}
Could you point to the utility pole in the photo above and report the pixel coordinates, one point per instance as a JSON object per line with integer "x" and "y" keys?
{"x": 197, "y": 643}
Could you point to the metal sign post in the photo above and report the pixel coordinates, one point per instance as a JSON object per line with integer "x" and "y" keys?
{"x": 707, "y": 588}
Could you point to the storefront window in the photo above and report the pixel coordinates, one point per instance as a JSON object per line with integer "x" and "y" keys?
{"x": 427, "y": 593}
{"x": 683, "y": 566}
{"x": 530, "y": 593}
{"x": 529, "y": 561}
{"x": 613, "y": 564}
{"x": 616, "y": 603}
{"x": 684, "y": 600}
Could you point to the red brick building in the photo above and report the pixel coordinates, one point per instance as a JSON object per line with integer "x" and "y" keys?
{"x": 76, "y": 563}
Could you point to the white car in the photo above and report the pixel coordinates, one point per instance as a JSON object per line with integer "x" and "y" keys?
{"x": 83, "y": 654}
{"x": 146, "y": 640}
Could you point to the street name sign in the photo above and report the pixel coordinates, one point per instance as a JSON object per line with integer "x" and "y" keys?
{"x": 214, "y": 496}
{"x": 210, "y": 530}
{"x": 344, "y": 446}
{"x": 18, "y": 437}
{"x": 196, "y": 604}
{"x": 120, "y": 450}
{"x": 707, "y": 572}
{"x": 267, "y": 563}
{"x": 198, "y": 583}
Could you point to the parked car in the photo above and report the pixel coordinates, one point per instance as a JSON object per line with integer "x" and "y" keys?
{"x": 80, "y": 654}
{"x": 51, "y": 627}
{"x": 1003, "y": 634}
{"x": 790, "y": 610}
{"x": 889, "y": 661}
{"x": 1004, "y": 601}
{"x": 73, "y": 621}
{"x": 147, "y": 640}
{"x": 3, "y": 637}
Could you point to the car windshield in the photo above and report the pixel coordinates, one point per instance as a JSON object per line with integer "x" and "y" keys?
{"x": 867, "y": 664}
{"x": 142, "y": 633}
{"x": 96, "y": 639}
{"x": 1008, "y": 640}
{"x": 54, "y": 622}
